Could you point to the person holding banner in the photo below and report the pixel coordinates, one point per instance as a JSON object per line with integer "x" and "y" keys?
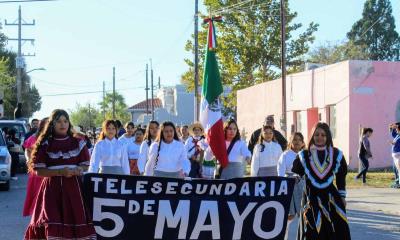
{"x": 323, "y": 215}
{"x": 167, "y": 155}
{"x": 60, "y": 158}
{"x": 149, "y": 137}
{"x": 194, "y": 152}
{"x": 237, "y": 150}
{"x": 265, "y": 154}
{"x": 109, "y": 154}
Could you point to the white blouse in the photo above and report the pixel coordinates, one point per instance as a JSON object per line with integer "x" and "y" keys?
{"x": 132, "y": 147}
{"x": 109, "y": 153}
{"x": 238, "y": 153}
{"x": 171, "y": 158}
{"x": 143, "y": 155}
{"x": 267, "y": 158}
{"x": 285, "y": 162}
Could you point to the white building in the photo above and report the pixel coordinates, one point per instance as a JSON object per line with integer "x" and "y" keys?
{"x": 172, "y": 104}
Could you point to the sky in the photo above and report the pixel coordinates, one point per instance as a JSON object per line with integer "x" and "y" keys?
{"x": 79, "y": 42}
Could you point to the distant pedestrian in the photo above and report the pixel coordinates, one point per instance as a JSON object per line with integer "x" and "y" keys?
{"x": 120, "y": 130}
{"x": 364, "y": 153}
{"x": 18, "y": 112}
{"x": 269, "y": 121}
{"x": 184, "y": 133}
{"x": 395, "y": 132}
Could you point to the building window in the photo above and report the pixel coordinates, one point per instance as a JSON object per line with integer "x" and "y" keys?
{"x": 331, "y": 119}
{"x": 297, "y": 121}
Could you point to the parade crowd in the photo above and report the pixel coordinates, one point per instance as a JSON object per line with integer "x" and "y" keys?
{"x": 58, "y": 154}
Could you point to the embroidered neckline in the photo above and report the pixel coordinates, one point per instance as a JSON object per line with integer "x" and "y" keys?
{"x": 321, "y": 170}
{"x": 63, "y": 138}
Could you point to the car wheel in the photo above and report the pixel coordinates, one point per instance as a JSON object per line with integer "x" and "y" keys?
{"x": 5, "y": 186}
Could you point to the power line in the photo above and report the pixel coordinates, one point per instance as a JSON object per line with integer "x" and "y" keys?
{"x": 22, "y": 1}
{"x": 87, "y": 92}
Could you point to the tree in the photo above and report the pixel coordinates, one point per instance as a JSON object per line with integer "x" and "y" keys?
{"x": 375, "y": 31}
{"x": 329, "y": 53}
{"x": 249, "y": 45}
{"x": 120, "y": 107}
{"x": 30, "y": 96}
{"x": 86, "y": 116}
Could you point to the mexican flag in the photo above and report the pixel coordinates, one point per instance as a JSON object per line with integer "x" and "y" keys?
{"x": 210, "y": 110}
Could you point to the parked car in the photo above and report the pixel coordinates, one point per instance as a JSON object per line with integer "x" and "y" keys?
{"x": 21, "y": 132}
{"x": 5, "y": 164}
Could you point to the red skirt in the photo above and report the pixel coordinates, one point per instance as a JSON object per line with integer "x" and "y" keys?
{"x": 60, "y": 212}
{"x": 32, "y": 189}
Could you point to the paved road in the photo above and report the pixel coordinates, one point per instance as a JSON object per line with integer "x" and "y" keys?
{"x": 368, "y": 213}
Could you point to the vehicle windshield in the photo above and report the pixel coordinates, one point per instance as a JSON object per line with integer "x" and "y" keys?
{"x": 20, "y": 128}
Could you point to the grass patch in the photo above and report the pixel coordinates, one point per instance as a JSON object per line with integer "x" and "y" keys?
{"x": 374, "y": 179}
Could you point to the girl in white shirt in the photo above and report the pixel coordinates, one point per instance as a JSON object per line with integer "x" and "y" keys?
{"x": 109, "y": 155}
{"x": 133, "y": 144}
{"x": 167, "y": 155}
{"x": 265, "y": 154}
{"x": 284, "y": 168}
{"x": 238, "y": 153}
{"x": 149, "y": 137}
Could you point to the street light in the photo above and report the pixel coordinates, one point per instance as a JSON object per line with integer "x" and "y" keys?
{"x": 36, "y": 69}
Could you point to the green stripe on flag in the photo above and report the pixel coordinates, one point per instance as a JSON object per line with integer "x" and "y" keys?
{"x": 212, "y": 85}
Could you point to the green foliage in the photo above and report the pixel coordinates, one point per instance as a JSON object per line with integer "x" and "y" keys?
{"x": 86, "y": 116}
{"x": 120, "y": 107}
{"x": 375, "y": 31}
{"x": 249, "y": 45}
{"x": 329, "y": 53}
{"x": 31, "y": 100}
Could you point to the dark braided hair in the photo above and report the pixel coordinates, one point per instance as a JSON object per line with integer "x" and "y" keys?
{"x": 48, "y": 133}
{"x": 160, "y": 137}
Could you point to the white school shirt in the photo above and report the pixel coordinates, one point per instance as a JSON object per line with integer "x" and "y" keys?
{"x": 109, "y": 153}
{"x": 171, "y": 158}
{"x": 143, "y": 155}
{"x": 238, "y": 153}
{"x": 133, "y": 148}
{"x": 190, "y": 146}
{"x": 285, "y": 162}
{"x": 268, "y": 158}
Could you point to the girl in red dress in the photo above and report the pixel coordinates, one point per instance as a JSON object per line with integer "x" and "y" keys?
{"x": 34, "y": 181}
{"x": 60, "y": 212}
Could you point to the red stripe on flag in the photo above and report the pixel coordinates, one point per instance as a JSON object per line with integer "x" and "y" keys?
{"x": 216, "y": 139}
{"x": 210, "y": 35}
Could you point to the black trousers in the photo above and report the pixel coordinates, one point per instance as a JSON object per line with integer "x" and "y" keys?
{"x": 364, "y": 168}
{"x": 14, "y": 163}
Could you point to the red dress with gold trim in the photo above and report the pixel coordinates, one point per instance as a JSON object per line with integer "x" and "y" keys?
{"x": 60, "y": 212}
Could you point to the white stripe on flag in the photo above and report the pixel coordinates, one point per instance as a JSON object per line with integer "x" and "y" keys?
{"x": 207, "y": 117}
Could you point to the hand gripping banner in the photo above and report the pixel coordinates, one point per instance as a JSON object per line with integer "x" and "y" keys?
{"x": 139, "y": 207}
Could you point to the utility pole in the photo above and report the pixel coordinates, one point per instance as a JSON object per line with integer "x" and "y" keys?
{"x": 147, "y": 89}
{"x": 152, "y": 89}
{"x": 90, "y": 118}
{"x": 20, "y": 63}
{"x": 283, "y": 65}
{"x": 196, "y": 62}
{"x": 159, "y": 82}
{"x": 104, "y": 99}
{"x": 113, "y": 101}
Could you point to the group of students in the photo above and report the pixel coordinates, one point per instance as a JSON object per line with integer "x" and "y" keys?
{"x": 58, "y": 159}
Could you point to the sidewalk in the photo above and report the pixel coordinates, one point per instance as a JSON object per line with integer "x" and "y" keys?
{"x": 384, "y": 200}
